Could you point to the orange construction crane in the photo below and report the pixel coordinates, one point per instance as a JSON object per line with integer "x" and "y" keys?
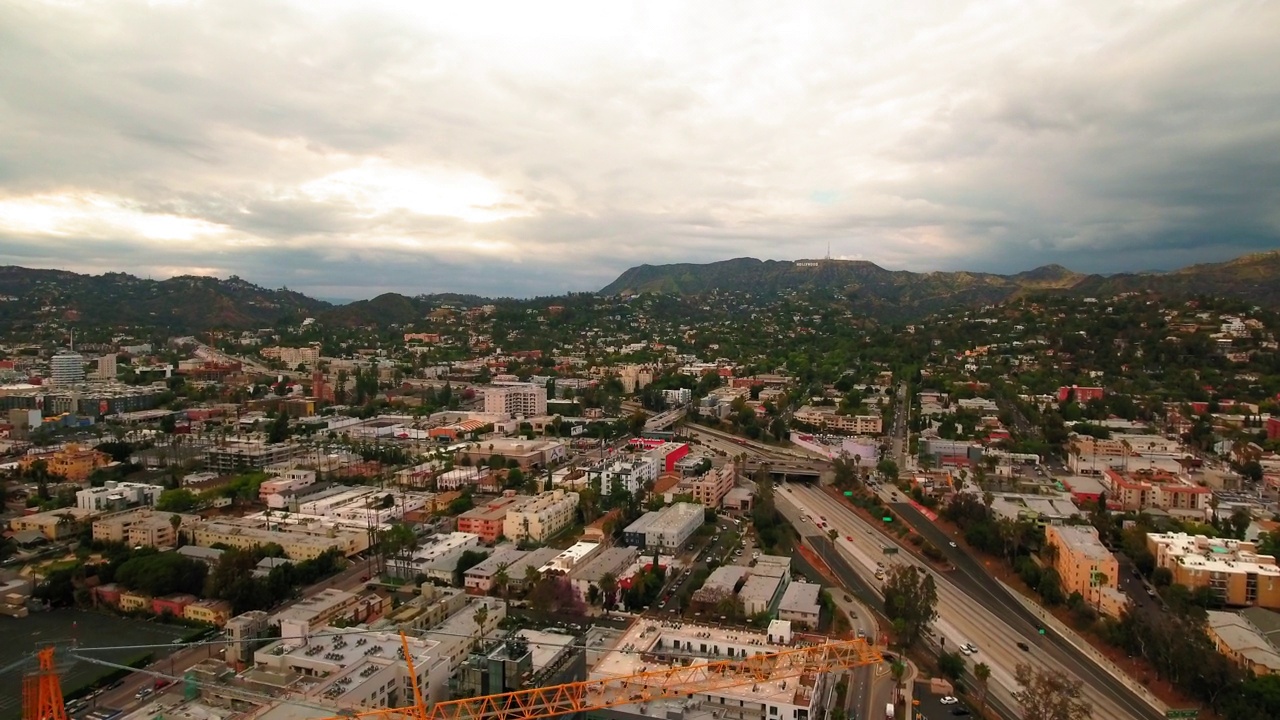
{"x": 43, "y": 698}
{"x": 41, "y": 691}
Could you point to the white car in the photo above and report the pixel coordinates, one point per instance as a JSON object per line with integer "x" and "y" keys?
{"x": 964, "y": 650}
{"x": 949, "y": 700}
{"x": 971, "y": 648}
{"x": 952, "y": 543}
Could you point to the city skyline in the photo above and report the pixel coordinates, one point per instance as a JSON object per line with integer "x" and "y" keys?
{"x": 507, "y": 150}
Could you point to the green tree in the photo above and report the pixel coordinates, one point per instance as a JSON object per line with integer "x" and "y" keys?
{"x": 1049, "y": 695}
{"x": 910, "y": 601}
{"x": 178, "y": 500}
{"x": 951, "y": 665}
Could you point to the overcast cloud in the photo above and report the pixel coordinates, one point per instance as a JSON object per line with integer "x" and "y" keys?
{"x": 537, "y": 147}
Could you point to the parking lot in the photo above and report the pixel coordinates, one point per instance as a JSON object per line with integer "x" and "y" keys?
{"x": 931, "y": 706}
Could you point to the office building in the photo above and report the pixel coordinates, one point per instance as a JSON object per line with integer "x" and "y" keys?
{"x": 1232, "y": 569}
{"x": 541, "y": 517}
{"x": 66, "y": 368}
{"x": 235, "y": 457}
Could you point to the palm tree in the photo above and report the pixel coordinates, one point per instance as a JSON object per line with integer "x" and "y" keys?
{"x": 481, "y": 614}
{"x": 608, "y": 586}
{"x": 833, "y": 534}
{"x": 500, "y": 581}
{"x": 982, "y": 673}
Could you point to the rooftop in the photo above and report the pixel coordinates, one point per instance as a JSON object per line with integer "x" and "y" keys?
{"x": 800, "y": 597}
{"x": 759, "y": 588}
{"x": 1223, "y": 555}
{"x": 1241, "y": 637}
{"x": 567, "y": 560}
{"x": 1082, "y": 540}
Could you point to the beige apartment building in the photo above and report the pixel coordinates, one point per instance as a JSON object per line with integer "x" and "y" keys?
{"x": 827, "y": 419}
{"x": 709, "y": 489}
{"x": 1233, "y": 569}
{"x": 142, "y": 527}
{"x": 298, "y": 543}
{"x": 1083, "y": 563}
{"x": 541, "y": 516}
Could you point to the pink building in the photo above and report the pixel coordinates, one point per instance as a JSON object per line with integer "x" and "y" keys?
{"x": 175, "y": 605}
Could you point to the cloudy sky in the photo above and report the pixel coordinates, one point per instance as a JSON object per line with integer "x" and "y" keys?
{"x": 537, "y": 147}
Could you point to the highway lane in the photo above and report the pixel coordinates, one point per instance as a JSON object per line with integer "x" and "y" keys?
{"x": 961, "y": 618}
{"x": 973, "y": 578}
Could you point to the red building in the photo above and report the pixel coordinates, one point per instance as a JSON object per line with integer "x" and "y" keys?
{"x": 172, "y": 604}
{"x": 1081, "y": 395}
{"x": 1273, "y": 428}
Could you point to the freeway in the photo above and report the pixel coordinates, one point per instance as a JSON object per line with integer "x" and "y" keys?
{"x": 973, "y": 578}
{"x": 966, "y": 619}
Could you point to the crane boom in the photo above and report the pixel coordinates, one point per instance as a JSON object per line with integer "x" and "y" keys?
{"x": 667, "y": 682}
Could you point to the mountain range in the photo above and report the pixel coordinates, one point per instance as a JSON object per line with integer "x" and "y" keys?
{"x": 900, "y": 294}
{"x": 197, "y": 303}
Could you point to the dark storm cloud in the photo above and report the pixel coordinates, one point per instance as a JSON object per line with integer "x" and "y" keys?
{"x": 512, "y": 150}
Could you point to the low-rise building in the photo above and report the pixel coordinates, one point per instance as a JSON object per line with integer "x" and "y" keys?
{"x": 800, "y": 604}
{"x": 213, "y": 612}
{"x": 142, "y": 527}
{"x": 667, "y": 529}
{"x": 481, "y": 578}
{"x": 437, "y": 557}
{"x": 299, "y": 543}
{"x": 487, "y": 519}
{"x": 134, "y": 602}
{"x": 1249, "y": 638}
{"x": 1232, "y": 569}
{"x": 1144, "y": 489}
{"x": 711, "y": 488}
{"x": 53, "y": 524}
{"x": 118, "y": 495}
{"x": 526, "y": 453}
{"x": 542, "y": 516}
{"x": 826, "y": 418}
{"x": 610, "y": 561}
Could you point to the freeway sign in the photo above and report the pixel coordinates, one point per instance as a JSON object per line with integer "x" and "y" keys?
{"x": 1193, "y": 713}
{"x": 890, "y": 550}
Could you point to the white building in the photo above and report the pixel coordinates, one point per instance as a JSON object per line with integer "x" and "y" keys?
{"x": 677, "y": 397}
{"x": 668, "y": 528}
{"x": 438, "y": 556}
{"x": 628, "y": 474}
{"x": 66, "y": 368}
{"x": 107, "y": 367}
{"x": 117, "y": 495}
{"x": 800, "y": 604}
{"x": 541, "y": 517}
{"x": 517, "y": 400}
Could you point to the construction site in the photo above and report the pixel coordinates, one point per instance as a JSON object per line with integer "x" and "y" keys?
{"x": 652, "y": 668}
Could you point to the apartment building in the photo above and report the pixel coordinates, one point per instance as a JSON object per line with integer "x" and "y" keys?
{"x": 800, "y": 604}
{"x": 293, "y": 357}
{"x": 667, "y": 528}
{"x": 629, "y": 474}
{"x": 481, "y": 578}
{"x": 1142, "y": 489}
{"x": 487, "y": 520}
{"x": 234, "y": 457}
{"x": 1083, "y": 563}
{"x": 142, "y": 527}
{"x": 53, "y": 524}
{"x": 118, "y": 495}
{"x": 213, "y": 612}
{"x": 711, "y": 488}
{"x": 612, "y": 561}
{"x": 826, "y": 418}
{"x": 541, "y": 516}
{"x": 516, "y": 400}
{"x": 75, "y": 463}
{"x": 1232, "y": 569}
{"x": 299, "y": 543}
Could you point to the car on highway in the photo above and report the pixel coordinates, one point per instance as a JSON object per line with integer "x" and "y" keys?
{"x": 849, "y": 538}
{"x": 972, "y": 648}
{"x": 952, "y": 543}
{"x": 949, "y": 700}
{"x": 1023, "y": 646}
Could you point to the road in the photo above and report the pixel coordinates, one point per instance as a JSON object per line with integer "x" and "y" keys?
{"x": 975, "y": 581}
{"x": 967, "y": 616}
